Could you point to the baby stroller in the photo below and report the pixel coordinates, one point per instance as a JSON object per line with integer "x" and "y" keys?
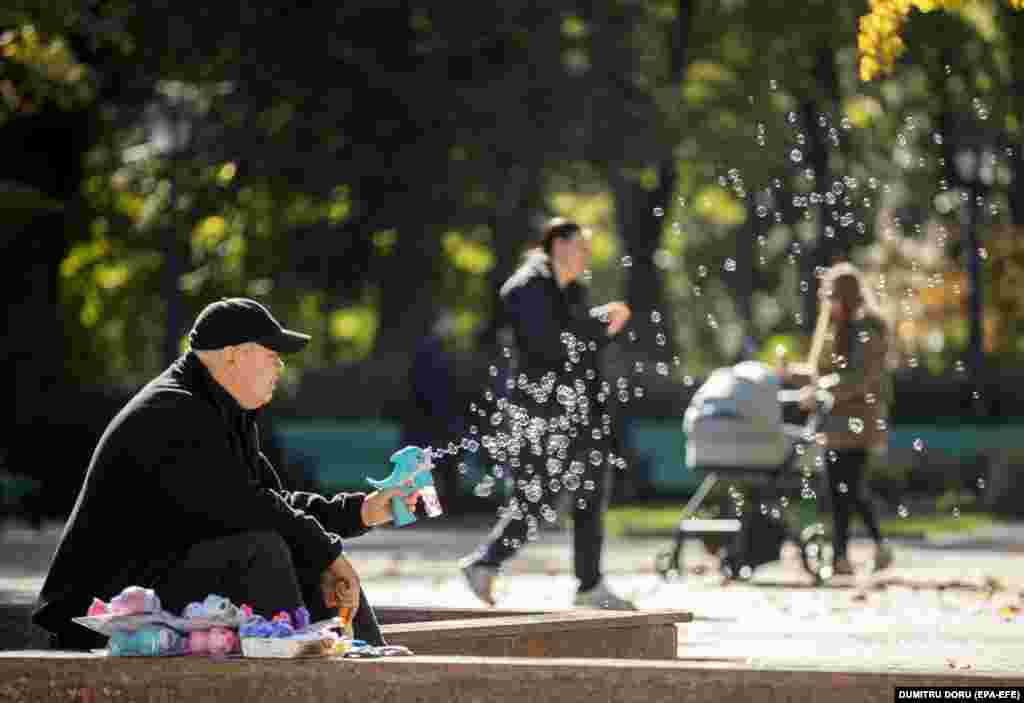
{"x": 735, "y": 431}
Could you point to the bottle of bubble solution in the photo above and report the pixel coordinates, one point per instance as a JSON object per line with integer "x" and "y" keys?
{"x": 344, "y": 644}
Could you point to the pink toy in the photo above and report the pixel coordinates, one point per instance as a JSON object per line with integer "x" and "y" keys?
{"x": 224, "y": 641}
{"x": 217, "y": 641}
{"x": 133, "y": 601}
{"x": 98, "y": 607}
{"x": 199, "y": 642}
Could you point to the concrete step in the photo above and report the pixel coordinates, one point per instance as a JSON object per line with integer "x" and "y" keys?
{"x": 575, "y": 633}
{"x": 48, "y": 676}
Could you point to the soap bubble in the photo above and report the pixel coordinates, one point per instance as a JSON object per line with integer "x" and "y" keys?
{"x": 566, "y": 396}
{"x": 655, "y": 317}
{"x": 627, "y": 261}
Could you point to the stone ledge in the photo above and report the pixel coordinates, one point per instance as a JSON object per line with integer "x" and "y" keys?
{"x": 574, "y": 633}
{"x": 399, "y": 615}
{"x": 50, "y": 676}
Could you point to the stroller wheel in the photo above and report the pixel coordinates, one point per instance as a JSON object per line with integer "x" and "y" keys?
{"x": 816, "y": 553}
{"x": 666, "y": 562}
{"x": 734, "y": 571}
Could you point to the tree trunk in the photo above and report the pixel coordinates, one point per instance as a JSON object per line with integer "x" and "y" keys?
{"x": 826, "y": 249}
{"x": 45, "y": 152}
{"x": 640, "y": 228}
{"x": 512, "y": 227}
{"x": 408, "y": 291}
{"x": 1014, "y": 23}
{"x": 640, "y": 231}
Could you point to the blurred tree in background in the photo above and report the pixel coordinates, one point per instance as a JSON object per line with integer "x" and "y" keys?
{"x": 364, "y": 166}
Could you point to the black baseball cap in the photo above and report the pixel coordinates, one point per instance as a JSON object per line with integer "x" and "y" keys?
{"x": 231, "y": 321}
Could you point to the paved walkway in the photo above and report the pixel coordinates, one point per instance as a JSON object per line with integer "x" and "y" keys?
{"x": 948, "y": 605}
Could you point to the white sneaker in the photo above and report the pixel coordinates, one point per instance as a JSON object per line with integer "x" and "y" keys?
{"x": 481, "y": 580}
{"x": 600, "y": 596}
{"x": 883, "y": 557}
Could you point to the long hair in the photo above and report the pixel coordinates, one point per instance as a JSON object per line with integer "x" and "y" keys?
{"x": 850, "y": 283}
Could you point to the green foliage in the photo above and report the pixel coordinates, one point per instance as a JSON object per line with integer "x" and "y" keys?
{"x": 313, "y": 159}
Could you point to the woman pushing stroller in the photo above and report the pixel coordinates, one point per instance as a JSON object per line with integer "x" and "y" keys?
{"x": 848, "y": 357}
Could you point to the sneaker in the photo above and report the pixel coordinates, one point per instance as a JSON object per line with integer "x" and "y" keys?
{"x": 600, "y": 596}
{"x": 481, "y": 580}
{"x": 883, "y": 557}
{"x": 841, "y": 567}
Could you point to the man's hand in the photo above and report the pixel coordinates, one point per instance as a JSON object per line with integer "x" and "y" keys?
{"x": 376, "y": 508}
{"x": 340, "y": 585}
{"x": 808, "y": 397}
{"x": 618, "y": 315}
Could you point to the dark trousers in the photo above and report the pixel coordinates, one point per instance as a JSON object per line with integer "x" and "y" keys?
{"x": 845, "y": 479}
{"x": 252, "y": 568}
{"x": 509, "y": 535}
{"x": 256, "y": 568}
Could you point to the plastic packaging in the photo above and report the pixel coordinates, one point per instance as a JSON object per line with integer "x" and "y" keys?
{"x": 217, "y": 641}
{"x": 147, "y": 641}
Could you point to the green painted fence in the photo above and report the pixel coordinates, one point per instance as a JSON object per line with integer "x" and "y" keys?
{"x": 345, "y": 453}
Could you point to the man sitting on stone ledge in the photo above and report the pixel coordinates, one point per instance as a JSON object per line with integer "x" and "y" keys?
{"x": 178, "y": 496}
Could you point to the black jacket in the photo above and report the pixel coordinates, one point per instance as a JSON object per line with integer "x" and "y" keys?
{"x": 539, "y": 312}
{"x": 180, "y": 464}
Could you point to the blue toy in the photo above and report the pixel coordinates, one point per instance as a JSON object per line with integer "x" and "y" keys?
{"x": 147, "y": 641}
{"x": 411, "y": 473}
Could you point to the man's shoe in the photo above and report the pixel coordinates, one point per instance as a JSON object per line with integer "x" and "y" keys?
{"x": 841, "y": 567}
{"x": 883, "y": 557}
{"x": 481, "y": 580}
{"x": 600, "y": 596}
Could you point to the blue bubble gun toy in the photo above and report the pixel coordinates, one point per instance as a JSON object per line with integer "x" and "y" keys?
{"x": 411, "y": 473}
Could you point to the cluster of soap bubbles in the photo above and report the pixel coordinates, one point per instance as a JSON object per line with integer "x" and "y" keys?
{"x": 529, "y": 434}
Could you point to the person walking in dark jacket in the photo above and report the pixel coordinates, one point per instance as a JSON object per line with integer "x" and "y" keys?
{"x": 557, "y": 440}
{"x": 178, "y": 496}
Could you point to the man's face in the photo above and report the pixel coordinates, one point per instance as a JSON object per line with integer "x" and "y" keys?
{"x": 573, "y": 254}
{"x": 257, "y": 370}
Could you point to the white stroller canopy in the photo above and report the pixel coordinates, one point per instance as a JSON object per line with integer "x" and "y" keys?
{"x": 735, "y": 419}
